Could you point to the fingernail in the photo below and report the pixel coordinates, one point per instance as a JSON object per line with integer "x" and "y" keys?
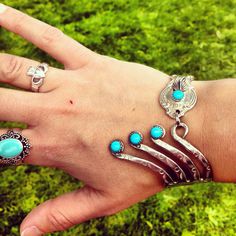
{"x": 2, "y": 8}
{"x": 31, "y": 231}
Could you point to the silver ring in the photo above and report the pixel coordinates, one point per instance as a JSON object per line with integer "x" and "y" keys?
{"x": 14, "y": 147}
{"x": 38, "y": 75}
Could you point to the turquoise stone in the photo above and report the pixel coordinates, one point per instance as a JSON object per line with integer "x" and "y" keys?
{"x": 10, "y": 148}
{"x": 156, "y": 132}
{"x": 177, "y": 95}
{"x": 116, "y": 146}
{"x": 135, "y": 138}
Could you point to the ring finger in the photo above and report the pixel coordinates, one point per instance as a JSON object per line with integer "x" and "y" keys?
{"x": 13, "y": 70}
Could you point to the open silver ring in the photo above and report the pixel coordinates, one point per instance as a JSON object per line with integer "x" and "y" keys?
{"x": 38, "y": 75}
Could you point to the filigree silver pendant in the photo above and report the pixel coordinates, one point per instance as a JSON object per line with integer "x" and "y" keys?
{"x": 173, "y": 107}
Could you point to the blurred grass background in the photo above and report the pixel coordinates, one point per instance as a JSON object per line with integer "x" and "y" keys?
{"x": 197, "y": 37}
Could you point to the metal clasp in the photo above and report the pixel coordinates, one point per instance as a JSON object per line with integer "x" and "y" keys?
{"x": 177, "y": 118}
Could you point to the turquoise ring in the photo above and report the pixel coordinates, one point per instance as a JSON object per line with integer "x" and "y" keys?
{"x": 14, "y": 147}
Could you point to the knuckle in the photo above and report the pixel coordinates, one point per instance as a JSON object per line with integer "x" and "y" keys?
{"x": 57, "y": 219}
{"x": 51, "y": 148}
{"x": 101, "y": 62}
{"x": 51, "y": 34}
{"x": 13, "y": 68}
{"x": 20, "y": 22}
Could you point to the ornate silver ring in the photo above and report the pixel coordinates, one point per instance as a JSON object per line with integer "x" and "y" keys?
{"x": 14, "y": 147}
{"x": 38, "y": 75}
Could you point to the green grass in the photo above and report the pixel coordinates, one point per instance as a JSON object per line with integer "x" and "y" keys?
{"x": 175, "y": 36}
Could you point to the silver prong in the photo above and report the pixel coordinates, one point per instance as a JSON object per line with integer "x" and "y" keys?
{"x": 194, "y": 151}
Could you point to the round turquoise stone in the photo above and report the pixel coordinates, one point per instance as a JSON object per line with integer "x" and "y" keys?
{"x": 116, "y": 146}
{"x": 156, "y": 132}
{"x": 10, "y": 148}
{"x": 177, "y": 95}
{"x": 135, "y": 138}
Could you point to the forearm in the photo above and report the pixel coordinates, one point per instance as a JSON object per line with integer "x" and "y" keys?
{"x": 219, "y": 128}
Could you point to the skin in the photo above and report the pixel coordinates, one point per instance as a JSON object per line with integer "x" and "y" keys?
{"x": 94, "y": 100}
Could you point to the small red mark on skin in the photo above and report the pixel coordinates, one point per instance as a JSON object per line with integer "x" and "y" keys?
{"x": 71, "y": 102}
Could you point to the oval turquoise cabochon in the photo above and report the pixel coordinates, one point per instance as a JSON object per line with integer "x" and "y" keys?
{"x": 10, "y": 148}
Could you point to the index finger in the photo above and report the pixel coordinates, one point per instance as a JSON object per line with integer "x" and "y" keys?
{"x": 48, "y": 38}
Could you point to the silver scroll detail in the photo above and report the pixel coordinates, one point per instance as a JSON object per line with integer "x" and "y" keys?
{"x": 179, "y": 173}
{"x": 194, "y": 172}
{"x": 168, "y": 180}
{"x": 177, "y": 170}
{"x": 206, "y": 175}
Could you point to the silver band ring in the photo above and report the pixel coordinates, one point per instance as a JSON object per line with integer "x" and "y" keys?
{"x": 38, "y": 75}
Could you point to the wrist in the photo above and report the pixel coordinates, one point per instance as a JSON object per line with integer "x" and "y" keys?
{"x": 219, "y": 128}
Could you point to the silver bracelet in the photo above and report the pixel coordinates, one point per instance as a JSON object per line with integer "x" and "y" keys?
{"x": 178, "y": 97}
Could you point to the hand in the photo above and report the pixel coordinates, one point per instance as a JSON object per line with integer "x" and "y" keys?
{"x": 72, "y": 120}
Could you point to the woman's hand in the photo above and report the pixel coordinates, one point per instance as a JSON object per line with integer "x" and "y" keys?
{"x": 72, "y": 120}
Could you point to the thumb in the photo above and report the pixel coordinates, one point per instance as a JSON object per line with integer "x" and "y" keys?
{"x": 65, "y": 211}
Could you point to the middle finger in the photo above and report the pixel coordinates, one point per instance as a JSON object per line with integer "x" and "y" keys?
{"x": 20, "y": 106}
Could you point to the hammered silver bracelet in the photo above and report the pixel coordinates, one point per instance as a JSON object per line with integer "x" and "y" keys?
{"x": 176, "y": 168}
